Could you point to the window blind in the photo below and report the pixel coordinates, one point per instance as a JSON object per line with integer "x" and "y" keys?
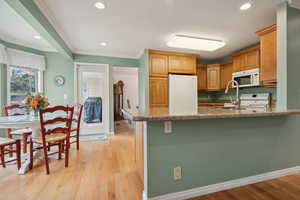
{"x": 24, "y": 59}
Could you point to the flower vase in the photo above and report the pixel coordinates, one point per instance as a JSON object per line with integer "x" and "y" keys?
{"x": 35, "y": 113}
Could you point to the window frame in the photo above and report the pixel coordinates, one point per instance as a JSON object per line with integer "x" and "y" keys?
{"x": 40, "y": 84}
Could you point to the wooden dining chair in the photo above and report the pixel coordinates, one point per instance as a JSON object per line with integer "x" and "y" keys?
{"x": 54, "y": 132}
{"x": 15, "y": 110}
{"x": 5, "y": 148}
{"x": 75, "y": 130}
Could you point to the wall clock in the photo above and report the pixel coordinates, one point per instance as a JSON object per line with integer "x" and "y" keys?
{"x": 59, "y": 80}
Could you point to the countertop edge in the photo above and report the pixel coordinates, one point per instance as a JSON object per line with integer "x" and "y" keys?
{"x": 134, "y": 117}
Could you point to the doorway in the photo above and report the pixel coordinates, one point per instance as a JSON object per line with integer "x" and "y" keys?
{"x": 92, "y": 91}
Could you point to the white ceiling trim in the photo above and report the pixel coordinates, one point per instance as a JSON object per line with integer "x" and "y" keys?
{"x": 46, "y": 11}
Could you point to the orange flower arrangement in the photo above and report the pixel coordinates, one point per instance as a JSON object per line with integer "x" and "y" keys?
{"x": 36, "y": 102}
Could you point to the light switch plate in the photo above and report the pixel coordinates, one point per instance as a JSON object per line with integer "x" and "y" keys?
{"x": 168, "y": 127}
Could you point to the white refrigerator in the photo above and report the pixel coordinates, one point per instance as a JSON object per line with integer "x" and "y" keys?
{"x": 183, "y": 94}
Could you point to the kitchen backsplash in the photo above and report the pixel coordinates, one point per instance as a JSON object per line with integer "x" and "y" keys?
{"x": 221, "y": 96}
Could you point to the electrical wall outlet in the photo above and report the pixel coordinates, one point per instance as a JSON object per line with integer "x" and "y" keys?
{"x": 65, "y": 96}
{"x": 177, "y": 173}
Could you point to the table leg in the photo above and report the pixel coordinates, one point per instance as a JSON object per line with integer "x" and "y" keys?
{"x": 36, "y": 155}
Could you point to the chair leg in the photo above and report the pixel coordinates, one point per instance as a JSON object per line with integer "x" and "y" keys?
{"x": 10, "y": 147}
{"x": 77, "y": 140}
{"x": 46, "y": 158}
{"x": 25, "y": 137}
{"x": 18, "y": 152}
{"x": 31, "y": 154}
{"x": 59, "y": 150}
{"x": 2, "y": 156}
{"x": 67, "y": 154}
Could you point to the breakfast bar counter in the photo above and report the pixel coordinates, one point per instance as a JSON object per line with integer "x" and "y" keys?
{"x": 163, "y": 114}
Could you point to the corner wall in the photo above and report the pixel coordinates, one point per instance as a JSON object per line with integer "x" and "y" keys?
{"x": 144, "y": 80}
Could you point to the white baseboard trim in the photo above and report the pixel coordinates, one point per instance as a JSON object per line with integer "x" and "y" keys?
{"x": 200, "y": 191}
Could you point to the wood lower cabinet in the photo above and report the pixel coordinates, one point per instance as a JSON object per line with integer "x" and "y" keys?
{"x": 226, "y": 73}
{"x": 158, "y": 65}
{"x": 159, "y": 92}
{"x": 202, "y": 77}
{"x": 213, "y": 77}
{"x": 182, "y": 64}
{"x": 246, "y": 59}
{"x": 268, "y": 53}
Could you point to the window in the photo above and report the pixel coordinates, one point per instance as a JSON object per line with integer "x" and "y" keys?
{"x": 21, "y": 82}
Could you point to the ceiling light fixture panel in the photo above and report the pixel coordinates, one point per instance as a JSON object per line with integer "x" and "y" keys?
{"x": 195, "y": 43}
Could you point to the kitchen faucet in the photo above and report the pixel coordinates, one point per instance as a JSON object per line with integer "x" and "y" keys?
{"x": 236, "y": 103}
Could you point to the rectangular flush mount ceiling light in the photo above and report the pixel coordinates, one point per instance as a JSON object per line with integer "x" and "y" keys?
{"x": 195, "y": 43}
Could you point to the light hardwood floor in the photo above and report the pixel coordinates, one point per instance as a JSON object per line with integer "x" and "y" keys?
{"x": 100, "y": 170}
{"x": 105, "y": 170}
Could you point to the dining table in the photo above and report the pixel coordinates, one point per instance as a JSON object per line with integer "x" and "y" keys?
{"x": 24, "y": 121}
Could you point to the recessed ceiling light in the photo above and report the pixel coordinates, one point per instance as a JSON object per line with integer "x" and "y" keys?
{"x": 37, "y": 37}
{"x": 103, "y": 44}
{"x": 195, "y": 43}
{"x": 246, "y": 6}
{"x": 99, "y": 5}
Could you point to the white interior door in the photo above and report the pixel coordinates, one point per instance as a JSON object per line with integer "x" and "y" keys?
{"x": 93, "y": 82}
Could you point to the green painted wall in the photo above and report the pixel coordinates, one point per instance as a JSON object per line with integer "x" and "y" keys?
{"x": 3, "y": 89}
{"x": 214, "y": 151}
{"x": 59, "y": 65}
{"x": 113, "y": 61}
{"x": 293, "y": 50}
{"x": 144, "y": 80}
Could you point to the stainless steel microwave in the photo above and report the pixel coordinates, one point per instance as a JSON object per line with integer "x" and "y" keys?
{"x": 247, "y": 78}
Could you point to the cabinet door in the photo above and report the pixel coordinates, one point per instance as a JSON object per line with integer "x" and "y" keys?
{"x": 268, "y": 59}
{"x": 213, "y": 77}
{"x": 158, "y": 92}
{"x": 238, "y": 63}
{"x": 182, "y": 64}
{"x": 202, "y": 77}
{"x": 226, "y": 74}
{"x": 252, "y": 60}
{"x": 158, "y": 65}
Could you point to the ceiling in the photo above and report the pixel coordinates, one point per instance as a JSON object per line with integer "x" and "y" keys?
{"x": 14, "y": 29}
{"x": 129, "y": 26}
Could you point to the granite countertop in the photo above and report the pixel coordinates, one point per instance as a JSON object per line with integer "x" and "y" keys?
{"x": 162, "y": 114}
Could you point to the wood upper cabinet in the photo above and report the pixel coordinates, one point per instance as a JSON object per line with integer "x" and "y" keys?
{"x": 238, "y": 63}
{"x": 182, "y": 64}
{"x": 226, "y": 73}
{"x": 268, "y": 53}
{"x": 213, "y": 77}
{"x": 252, "y": 59}
{"x": 246, "y": 59}
{"x": 202, "y": 77}
{"x": 158, "y": 65}
{"x": 159, "y": 92}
